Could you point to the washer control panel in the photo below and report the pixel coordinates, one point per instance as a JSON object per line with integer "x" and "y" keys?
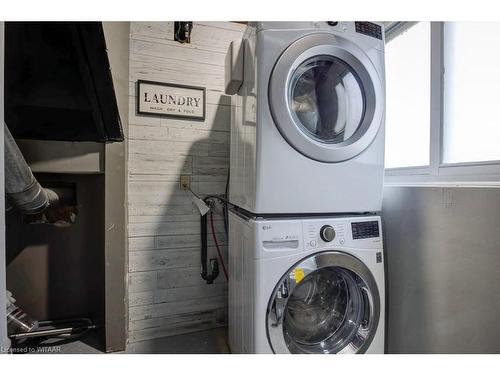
{"x": 365, "y": 229}
{"x": 338, "y": 26}
{"x": 319, "y": 234}
{"x": 355, "y": 232}
{"x": 369, "y": 28}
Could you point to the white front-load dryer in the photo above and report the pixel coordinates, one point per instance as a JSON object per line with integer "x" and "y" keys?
{"x": 307, "y": 133}
{"x": 312, "y": 285}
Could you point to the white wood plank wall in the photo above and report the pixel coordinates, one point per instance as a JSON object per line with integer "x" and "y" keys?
{"x": 166, "y": 293}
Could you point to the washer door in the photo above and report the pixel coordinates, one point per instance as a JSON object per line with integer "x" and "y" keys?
{"x": 327, "y": 303}
{"x": 326, "y": 98}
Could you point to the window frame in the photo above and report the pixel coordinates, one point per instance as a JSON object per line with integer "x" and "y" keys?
{"x": 464, "y": 173}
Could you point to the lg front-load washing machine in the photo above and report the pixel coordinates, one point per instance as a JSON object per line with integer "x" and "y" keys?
{"x": 307, "y": 134}
{"x": 311, "y": 285}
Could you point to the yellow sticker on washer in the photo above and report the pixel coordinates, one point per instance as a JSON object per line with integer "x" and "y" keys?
{"x": 299, "y": 274}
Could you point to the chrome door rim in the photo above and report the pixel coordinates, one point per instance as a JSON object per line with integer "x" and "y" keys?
{"x": 312, "y": 263}
{"x": 331, "y": 45}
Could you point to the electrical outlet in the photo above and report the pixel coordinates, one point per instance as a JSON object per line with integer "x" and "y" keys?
{"x": 185, "y": 182}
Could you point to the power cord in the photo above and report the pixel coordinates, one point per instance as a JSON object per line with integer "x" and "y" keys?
{"x": 209, "y": 203}
{"x": 221, "y": 259}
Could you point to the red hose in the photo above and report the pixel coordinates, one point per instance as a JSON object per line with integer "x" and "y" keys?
{"x": 217, "y": 245}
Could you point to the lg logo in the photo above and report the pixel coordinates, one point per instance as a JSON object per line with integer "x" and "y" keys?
{"x": 266, "y": 227}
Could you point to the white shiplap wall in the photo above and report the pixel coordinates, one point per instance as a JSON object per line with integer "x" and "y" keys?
{"x": 166, "y": 293}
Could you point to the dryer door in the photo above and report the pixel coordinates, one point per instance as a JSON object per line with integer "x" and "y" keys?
{"x": 327, "y": 303}
{"x": 326, "y": 98}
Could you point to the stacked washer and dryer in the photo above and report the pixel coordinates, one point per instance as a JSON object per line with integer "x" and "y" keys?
{"x": 306, "y": 264}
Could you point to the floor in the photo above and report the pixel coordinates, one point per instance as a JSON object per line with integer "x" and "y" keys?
{"x": 212, "y": 341}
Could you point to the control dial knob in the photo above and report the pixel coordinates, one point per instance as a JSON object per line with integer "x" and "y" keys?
{"x": 327, "y": 233}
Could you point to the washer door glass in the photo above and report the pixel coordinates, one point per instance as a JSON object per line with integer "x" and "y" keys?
{"x": 326, "y": 99}
{"x": 327, "y": 303}
{"x": 323, "y": 312}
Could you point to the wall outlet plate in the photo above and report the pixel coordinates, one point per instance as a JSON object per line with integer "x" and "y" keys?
{"x": 185, "y": 183}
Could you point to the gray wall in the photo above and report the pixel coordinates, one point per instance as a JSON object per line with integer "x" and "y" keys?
{"x": 63, "y": 157}
{"x": 443, "y": 259}
{"x": 55, "y": 272}
{"x": 117, "y": 43}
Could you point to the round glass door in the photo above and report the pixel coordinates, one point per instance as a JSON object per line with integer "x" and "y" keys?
{"x": 327, "y": 303}
{"x": 326, "y": 98}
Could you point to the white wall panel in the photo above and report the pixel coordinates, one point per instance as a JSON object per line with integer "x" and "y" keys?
{"x": 167, "y": 296}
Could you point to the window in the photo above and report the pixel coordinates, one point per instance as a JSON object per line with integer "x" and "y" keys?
{"x": 442, "y": 95}
{"x": 471, "y": 125}
{"x": 407, "y": 59}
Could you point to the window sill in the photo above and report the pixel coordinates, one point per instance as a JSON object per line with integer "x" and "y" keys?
{"x": 443, "y": 180}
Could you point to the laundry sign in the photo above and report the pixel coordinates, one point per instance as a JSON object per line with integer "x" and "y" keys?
{"x": 170, "y": 100}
